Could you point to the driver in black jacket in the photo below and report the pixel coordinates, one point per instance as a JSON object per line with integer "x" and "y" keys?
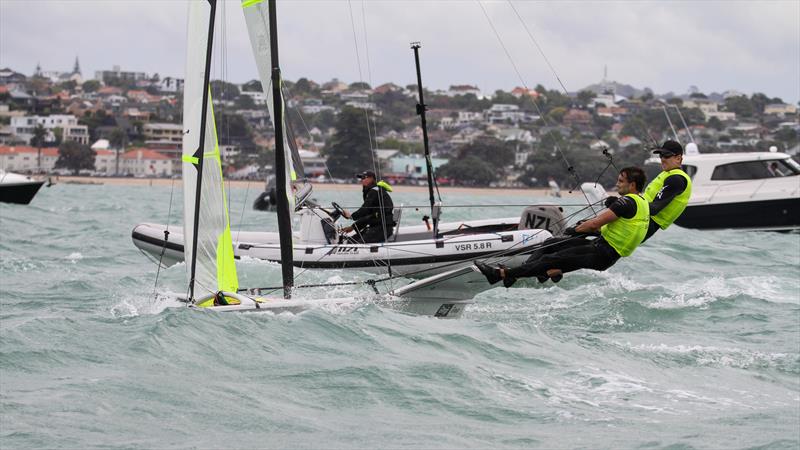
{"x": 373, "y": 221}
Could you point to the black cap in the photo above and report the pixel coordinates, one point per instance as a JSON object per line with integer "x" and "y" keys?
{"x": 669, "y": 148}
{"x": 365, "y": 174}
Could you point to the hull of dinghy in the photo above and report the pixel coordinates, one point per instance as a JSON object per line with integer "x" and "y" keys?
{"x": 440, "y": 308}
{"x": 406, "y": 258}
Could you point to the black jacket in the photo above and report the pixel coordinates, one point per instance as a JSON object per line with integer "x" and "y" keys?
{"x": 377, "y": 202}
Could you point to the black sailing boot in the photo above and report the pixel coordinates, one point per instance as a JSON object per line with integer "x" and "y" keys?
{"x": 492, "y": 274}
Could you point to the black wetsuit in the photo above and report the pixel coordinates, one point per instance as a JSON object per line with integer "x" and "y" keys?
{"x": 373, "y": 221}
{"x": 572, "y": 253}
{"x": 674, "y": 185}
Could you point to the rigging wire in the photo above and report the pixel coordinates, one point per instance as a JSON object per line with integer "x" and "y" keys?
{"x": 647, "y": 133}
{"x": 166, "y": 239}
{"x": 371, "y": 130}
{"x": 570, "y": 167}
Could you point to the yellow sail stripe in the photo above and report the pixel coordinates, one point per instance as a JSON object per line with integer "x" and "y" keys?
{"x": 249, "y": 3}
{"x": 227, "y": 280}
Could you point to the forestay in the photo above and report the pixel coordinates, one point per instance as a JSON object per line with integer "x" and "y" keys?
{"x": 214, "y": 268}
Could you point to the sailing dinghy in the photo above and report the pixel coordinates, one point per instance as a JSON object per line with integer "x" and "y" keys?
{"x": 413, "y": 251}
{"x": 212, "y": 278}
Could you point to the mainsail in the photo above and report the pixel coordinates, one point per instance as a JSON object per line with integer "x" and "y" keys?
{"x": 206, "y": 226}
{"x": 256, "y": 15}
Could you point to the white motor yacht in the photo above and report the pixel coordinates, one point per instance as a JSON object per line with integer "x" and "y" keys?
{"x": 16, "y": 188}
{"x": 754, "y": 191}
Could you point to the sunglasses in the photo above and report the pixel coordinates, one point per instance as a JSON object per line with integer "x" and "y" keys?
{"x": 663, "y": 156}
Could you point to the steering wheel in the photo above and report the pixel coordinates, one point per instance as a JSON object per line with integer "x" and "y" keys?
{"x": 338, "y": 211}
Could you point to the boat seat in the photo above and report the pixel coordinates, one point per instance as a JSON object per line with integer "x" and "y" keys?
{"x": 396, "y": 213}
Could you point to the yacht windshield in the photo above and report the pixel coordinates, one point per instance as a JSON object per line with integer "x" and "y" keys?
{"x": 790, "y": 167}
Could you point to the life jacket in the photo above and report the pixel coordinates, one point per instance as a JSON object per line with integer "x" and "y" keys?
{"x": 624, "y": 235}
{"x": 675, "y": 208}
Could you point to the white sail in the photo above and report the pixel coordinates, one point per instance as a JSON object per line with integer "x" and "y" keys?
{"x": 256, "y": 15}
{"x": 214, "y": 268}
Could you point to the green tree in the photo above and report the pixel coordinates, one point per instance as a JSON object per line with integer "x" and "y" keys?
{"x": 787, "y": 135}
{"x": 58, "y": 132}
{"x": 585, "y": 97}
{"x": 244, "y": 102}
{"x": 716, "y": 124}
{"x": 233, "y": 129}
{"x": 348, "y": 150}
{"x": 39, "y": 136}
{"x": 75, "y": 157}
{"x": 358, "y": 85}
{"x": 118, "y": 139}
{"x": 470, "y": 171}
{"x": 741, "y": 105}
{"x": 491, "y": 151}
{"x": 222, "y": 90}
{"x": 91, "y": 86}
{"x": 252, "y": 86}
{"x": 305, "y": 88}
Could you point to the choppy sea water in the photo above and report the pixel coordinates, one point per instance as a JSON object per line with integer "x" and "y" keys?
{"x": 693, "y": 342}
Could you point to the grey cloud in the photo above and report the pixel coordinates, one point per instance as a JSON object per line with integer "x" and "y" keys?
{"x": 667, "y": 46}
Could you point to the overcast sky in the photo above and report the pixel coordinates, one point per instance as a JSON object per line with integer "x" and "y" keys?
{"x": 749, "y": 46}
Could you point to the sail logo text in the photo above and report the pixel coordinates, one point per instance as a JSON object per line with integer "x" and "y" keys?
{"x": 473, "y": 246}
{"x": 343, "y": 251}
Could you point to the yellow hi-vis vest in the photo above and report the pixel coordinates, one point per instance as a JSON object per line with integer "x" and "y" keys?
{"x": 675, "y": 208}
{"x": 626, "y": 234}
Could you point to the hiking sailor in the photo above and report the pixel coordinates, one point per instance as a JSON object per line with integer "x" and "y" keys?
{"x": 622, "y": 228}
{"x": 669, "y": 192}
{"x": 373, "y": 222}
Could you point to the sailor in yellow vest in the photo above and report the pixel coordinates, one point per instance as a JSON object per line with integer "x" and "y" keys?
{"x": 669, "y": 192}
{"x": 622, "y": 228}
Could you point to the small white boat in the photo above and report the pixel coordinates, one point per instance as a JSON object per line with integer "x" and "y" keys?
{"x": 16, "y": 188}
{"x": 751, "y": 191}
{"x": 410, "y": 251}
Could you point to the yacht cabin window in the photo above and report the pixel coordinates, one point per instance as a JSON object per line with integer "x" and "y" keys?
{"x": 756, "y": 170}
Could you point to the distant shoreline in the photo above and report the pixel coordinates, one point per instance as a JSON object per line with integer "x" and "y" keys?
{"x": 255, "y": 184}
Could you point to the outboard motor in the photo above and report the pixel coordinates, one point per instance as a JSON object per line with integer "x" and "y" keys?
{"x": 548, "y": 217}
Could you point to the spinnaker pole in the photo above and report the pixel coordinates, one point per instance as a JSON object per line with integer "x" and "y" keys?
{"x": 198, "y": 154}
{"x": 428, "y": 165}
{"x": 284, "y": 215}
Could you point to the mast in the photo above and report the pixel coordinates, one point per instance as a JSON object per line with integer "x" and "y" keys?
{"x": 284, "y": 215}
{"x": 428, "y": 165}
{"x": 198, "y": 154}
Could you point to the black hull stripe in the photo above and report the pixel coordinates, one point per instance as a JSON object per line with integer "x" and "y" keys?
{"x": 21, "y": 194}
{"x": 776, "y": 214}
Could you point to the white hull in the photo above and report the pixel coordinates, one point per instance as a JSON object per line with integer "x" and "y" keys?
{"x": 421, "y": 257}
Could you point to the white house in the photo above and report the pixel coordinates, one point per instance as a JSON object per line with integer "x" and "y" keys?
{"x": 23, "y": 126}
{"x": 502, "y": 113}
{"x": 144, "y": 162}
{"x": 258, "y": 97}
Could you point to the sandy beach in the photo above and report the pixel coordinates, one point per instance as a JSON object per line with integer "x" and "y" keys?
{"x": 254, "y": 184}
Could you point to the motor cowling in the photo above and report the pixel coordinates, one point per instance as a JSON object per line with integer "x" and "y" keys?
{"x": 548, "y": 217}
